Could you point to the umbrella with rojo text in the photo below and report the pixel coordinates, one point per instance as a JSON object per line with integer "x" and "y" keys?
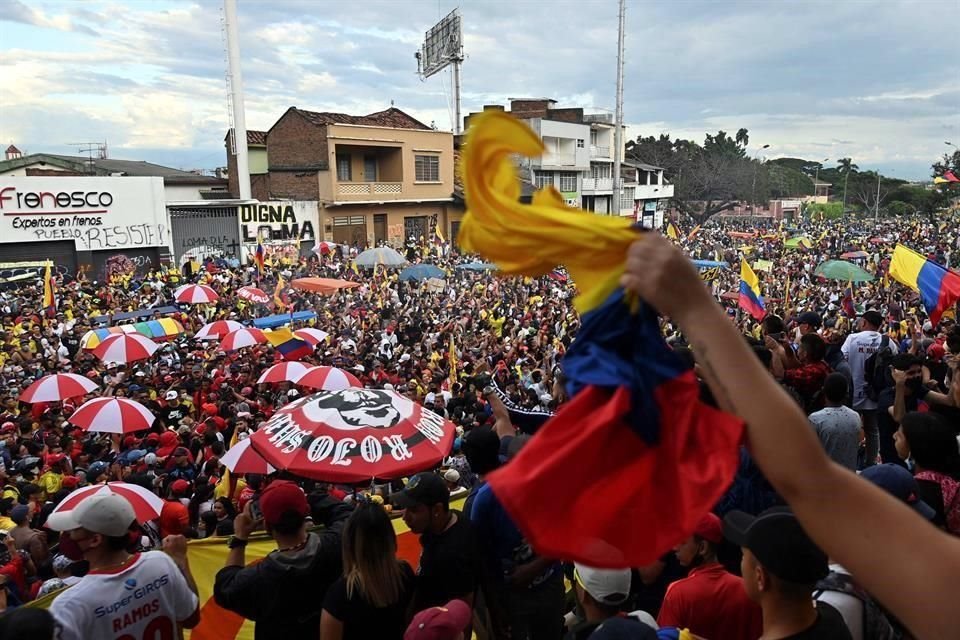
{"x": 353, "y": 436}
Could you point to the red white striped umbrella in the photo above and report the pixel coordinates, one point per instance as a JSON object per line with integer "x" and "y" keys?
{"x": 112, "y": 415}
{"x": 242, "y": 458}
{"x": 146, "y": 504}
{"x": 354, "y": 435}
{"x": 329, "y": 379}
{"x": 196, "y": 294}
{"x": 253, "y": 295}
{"x": 242, "y": 338}
{"x": 58, "y": 387}
{"x": 216, "y": 330}
{"x": 311, "y": 336}
{"x": 284, "y": 372}
{"x": 125, "y": 348}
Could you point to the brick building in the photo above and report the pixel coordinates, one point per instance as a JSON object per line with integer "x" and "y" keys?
{"x": 377, "y": 178}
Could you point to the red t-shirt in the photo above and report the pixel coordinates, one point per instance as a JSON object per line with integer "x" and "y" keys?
{"x": 712, "y": 603}
{"x": 174, "y": 518}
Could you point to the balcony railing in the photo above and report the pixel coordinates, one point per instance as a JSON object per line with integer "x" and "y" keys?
{"x": 559, "y": 159}
{"x": 599, "y": 152}
{"x": 597, "y": 184}
{"x": 368, "y": 188}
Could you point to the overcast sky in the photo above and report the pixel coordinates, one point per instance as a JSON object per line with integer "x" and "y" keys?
{"x": 875, "y": 80}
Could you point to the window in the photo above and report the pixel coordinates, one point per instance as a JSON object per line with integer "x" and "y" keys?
{"x": 369, "y": 168}
{"x": 601, "y": 170}
{"x": 568, "y": 182}
{"x": 654, "y": 178}
{"x": 543, "y": 178}
{"x": 579, "y": 143}
{"x": 626, "y": 199}
{"x": 427, "y": 168}
{"x": 344, "y": 172}
{"x": 594, "y": 136}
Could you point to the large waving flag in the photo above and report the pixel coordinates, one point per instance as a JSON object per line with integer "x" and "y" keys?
{"x": 673, "y": 231}
{"x": 259, "y": 256}
{"x": 635, "y": 421}
{"x": 939, "y": 288}
{"x": 278, "y": 297}
{"x": 750, "y": 299}
{"x": 49, "y": 297}
{"x": 847, "y": 303}
{"x": 290, "y": 346}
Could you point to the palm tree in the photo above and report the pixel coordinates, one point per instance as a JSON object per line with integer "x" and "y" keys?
{"x": 845, "y": 166}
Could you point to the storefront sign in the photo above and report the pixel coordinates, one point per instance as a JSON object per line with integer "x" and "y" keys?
{"x": 278, "y": 221}
{"x": 96, "y": 213}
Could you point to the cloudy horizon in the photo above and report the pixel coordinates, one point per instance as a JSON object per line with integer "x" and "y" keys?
{"x": 872, "y": 81}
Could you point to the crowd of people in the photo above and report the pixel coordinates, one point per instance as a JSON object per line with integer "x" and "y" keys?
{"x": 873, "y": 376}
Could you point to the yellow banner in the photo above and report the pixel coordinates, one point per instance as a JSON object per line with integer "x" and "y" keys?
{"x": 208, "y": 556}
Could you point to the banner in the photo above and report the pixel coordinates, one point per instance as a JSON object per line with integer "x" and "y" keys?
{"x": 208, "y": 556}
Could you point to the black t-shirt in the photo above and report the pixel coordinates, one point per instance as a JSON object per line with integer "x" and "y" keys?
{"x": 361, "y": 620}
{"x": 448, "y": 565}
{"x": 172, "y": 416}
{"x": 829, "y": 626}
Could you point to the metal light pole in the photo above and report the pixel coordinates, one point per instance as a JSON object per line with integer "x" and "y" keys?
{"x": 876, "y": 215}
{"x": 236, "y": 104}
{"x": 753, "y": 188}
{"x": 618, "y": 132}
{"x": 816, "y": 178}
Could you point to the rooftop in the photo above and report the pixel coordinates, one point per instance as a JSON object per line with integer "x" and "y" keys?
{"x": 107, "y": 167}
{"x": 392, "y": 118}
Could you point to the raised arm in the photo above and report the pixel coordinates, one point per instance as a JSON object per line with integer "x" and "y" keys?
{"x": 850, "y": 519}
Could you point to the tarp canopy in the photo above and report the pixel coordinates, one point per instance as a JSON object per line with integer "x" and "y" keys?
{"x": 269, "y": 322}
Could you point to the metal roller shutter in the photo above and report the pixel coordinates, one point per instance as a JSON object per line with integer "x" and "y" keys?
{"x": 62, "y": 252}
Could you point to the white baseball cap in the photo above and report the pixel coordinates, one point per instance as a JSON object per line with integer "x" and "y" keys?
{"x": 171, "y": 395}
{"x": 607, "y": 586}
{"x": 452, "y": 475}
{"x": 109, "y": 515}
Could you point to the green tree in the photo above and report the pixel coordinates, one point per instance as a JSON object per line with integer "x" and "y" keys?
{"x": 949, "y": 162}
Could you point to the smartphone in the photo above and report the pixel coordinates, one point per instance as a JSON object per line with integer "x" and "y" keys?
{"x": 255, "y": 509}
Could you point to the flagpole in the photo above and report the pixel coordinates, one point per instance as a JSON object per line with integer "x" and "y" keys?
{"x": 618, "y": 132}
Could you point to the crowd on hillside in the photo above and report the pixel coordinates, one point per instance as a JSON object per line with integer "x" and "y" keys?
{"x": 876, "y": 382}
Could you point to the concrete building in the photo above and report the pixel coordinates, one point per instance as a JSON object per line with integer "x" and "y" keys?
{"x": 579, "y": 160}
{"x": 178, "y": 186}
{"x": 378, "y": 178}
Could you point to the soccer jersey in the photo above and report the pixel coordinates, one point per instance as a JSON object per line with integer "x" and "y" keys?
{"x": 140, "y": 600}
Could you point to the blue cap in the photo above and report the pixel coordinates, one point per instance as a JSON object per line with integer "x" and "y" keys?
{"x": 898, "y": 482}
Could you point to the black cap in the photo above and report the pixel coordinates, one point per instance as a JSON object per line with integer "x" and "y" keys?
{"x": 873, "y": 317}
{"x": 779, "y": 543}
{"x": 811, "y": 318}
{"x": 425, "y": 488}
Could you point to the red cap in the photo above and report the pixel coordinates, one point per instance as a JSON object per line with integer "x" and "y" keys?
{"x": 55, "y": 457}
{"x": 710, "y": 529}
{"x": 130, "y": 442}
{"x": 180, "y": 487}
{"x": 69, "y": 482}
{"x": 282, "y": 496}
{"x": 210, "y": 408}
{"x": 439, "y": 623}
{"x": 152, "y": 438}
{"x": 8, "y": 427}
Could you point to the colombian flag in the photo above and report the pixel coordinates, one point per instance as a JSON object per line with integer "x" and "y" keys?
{"x": 634, "y": 460}
{"x": 673, "y": 231}
{"x": 49, "y": 299}
{"x": 259, "y": 257}
{"x": 939, "y": 288}
{"x": 847, "y": 302}
{"x": 750, "y": 299}
{"x": 290, "y": 346}
{"x": 278, "y": 298}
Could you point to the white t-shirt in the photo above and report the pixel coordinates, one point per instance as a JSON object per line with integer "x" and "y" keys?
{"x": 144, "y": 599}
{"x": 856, "y": 349}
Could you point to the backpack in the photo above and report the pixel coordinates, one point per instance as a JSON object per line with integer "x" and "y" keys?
{"x": 876, "y": 625}
{"x": 875, "y": 368}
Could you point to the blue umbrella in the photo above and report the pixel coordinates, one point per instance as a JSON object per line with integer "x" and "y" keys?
{"x": 422, "y": 272}
{"x": 478, "y": 266}
{"x": 709, "y": 264}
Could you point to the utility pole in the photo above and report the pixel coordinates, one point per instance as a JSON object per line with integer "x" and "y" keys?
{"x": 876, "y": 214}
{"x": 236, "y": 91}
{"x": 618, "y": 132}
{"x": 843, "y": 210}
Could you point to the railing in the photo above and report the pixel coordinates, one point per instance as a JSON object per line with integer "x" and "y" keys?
{"x": 599, "y": 152}
{"x": 367, "y": 188}
{"x": 559, "y": 159}
{"x": 597, "y": 184}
